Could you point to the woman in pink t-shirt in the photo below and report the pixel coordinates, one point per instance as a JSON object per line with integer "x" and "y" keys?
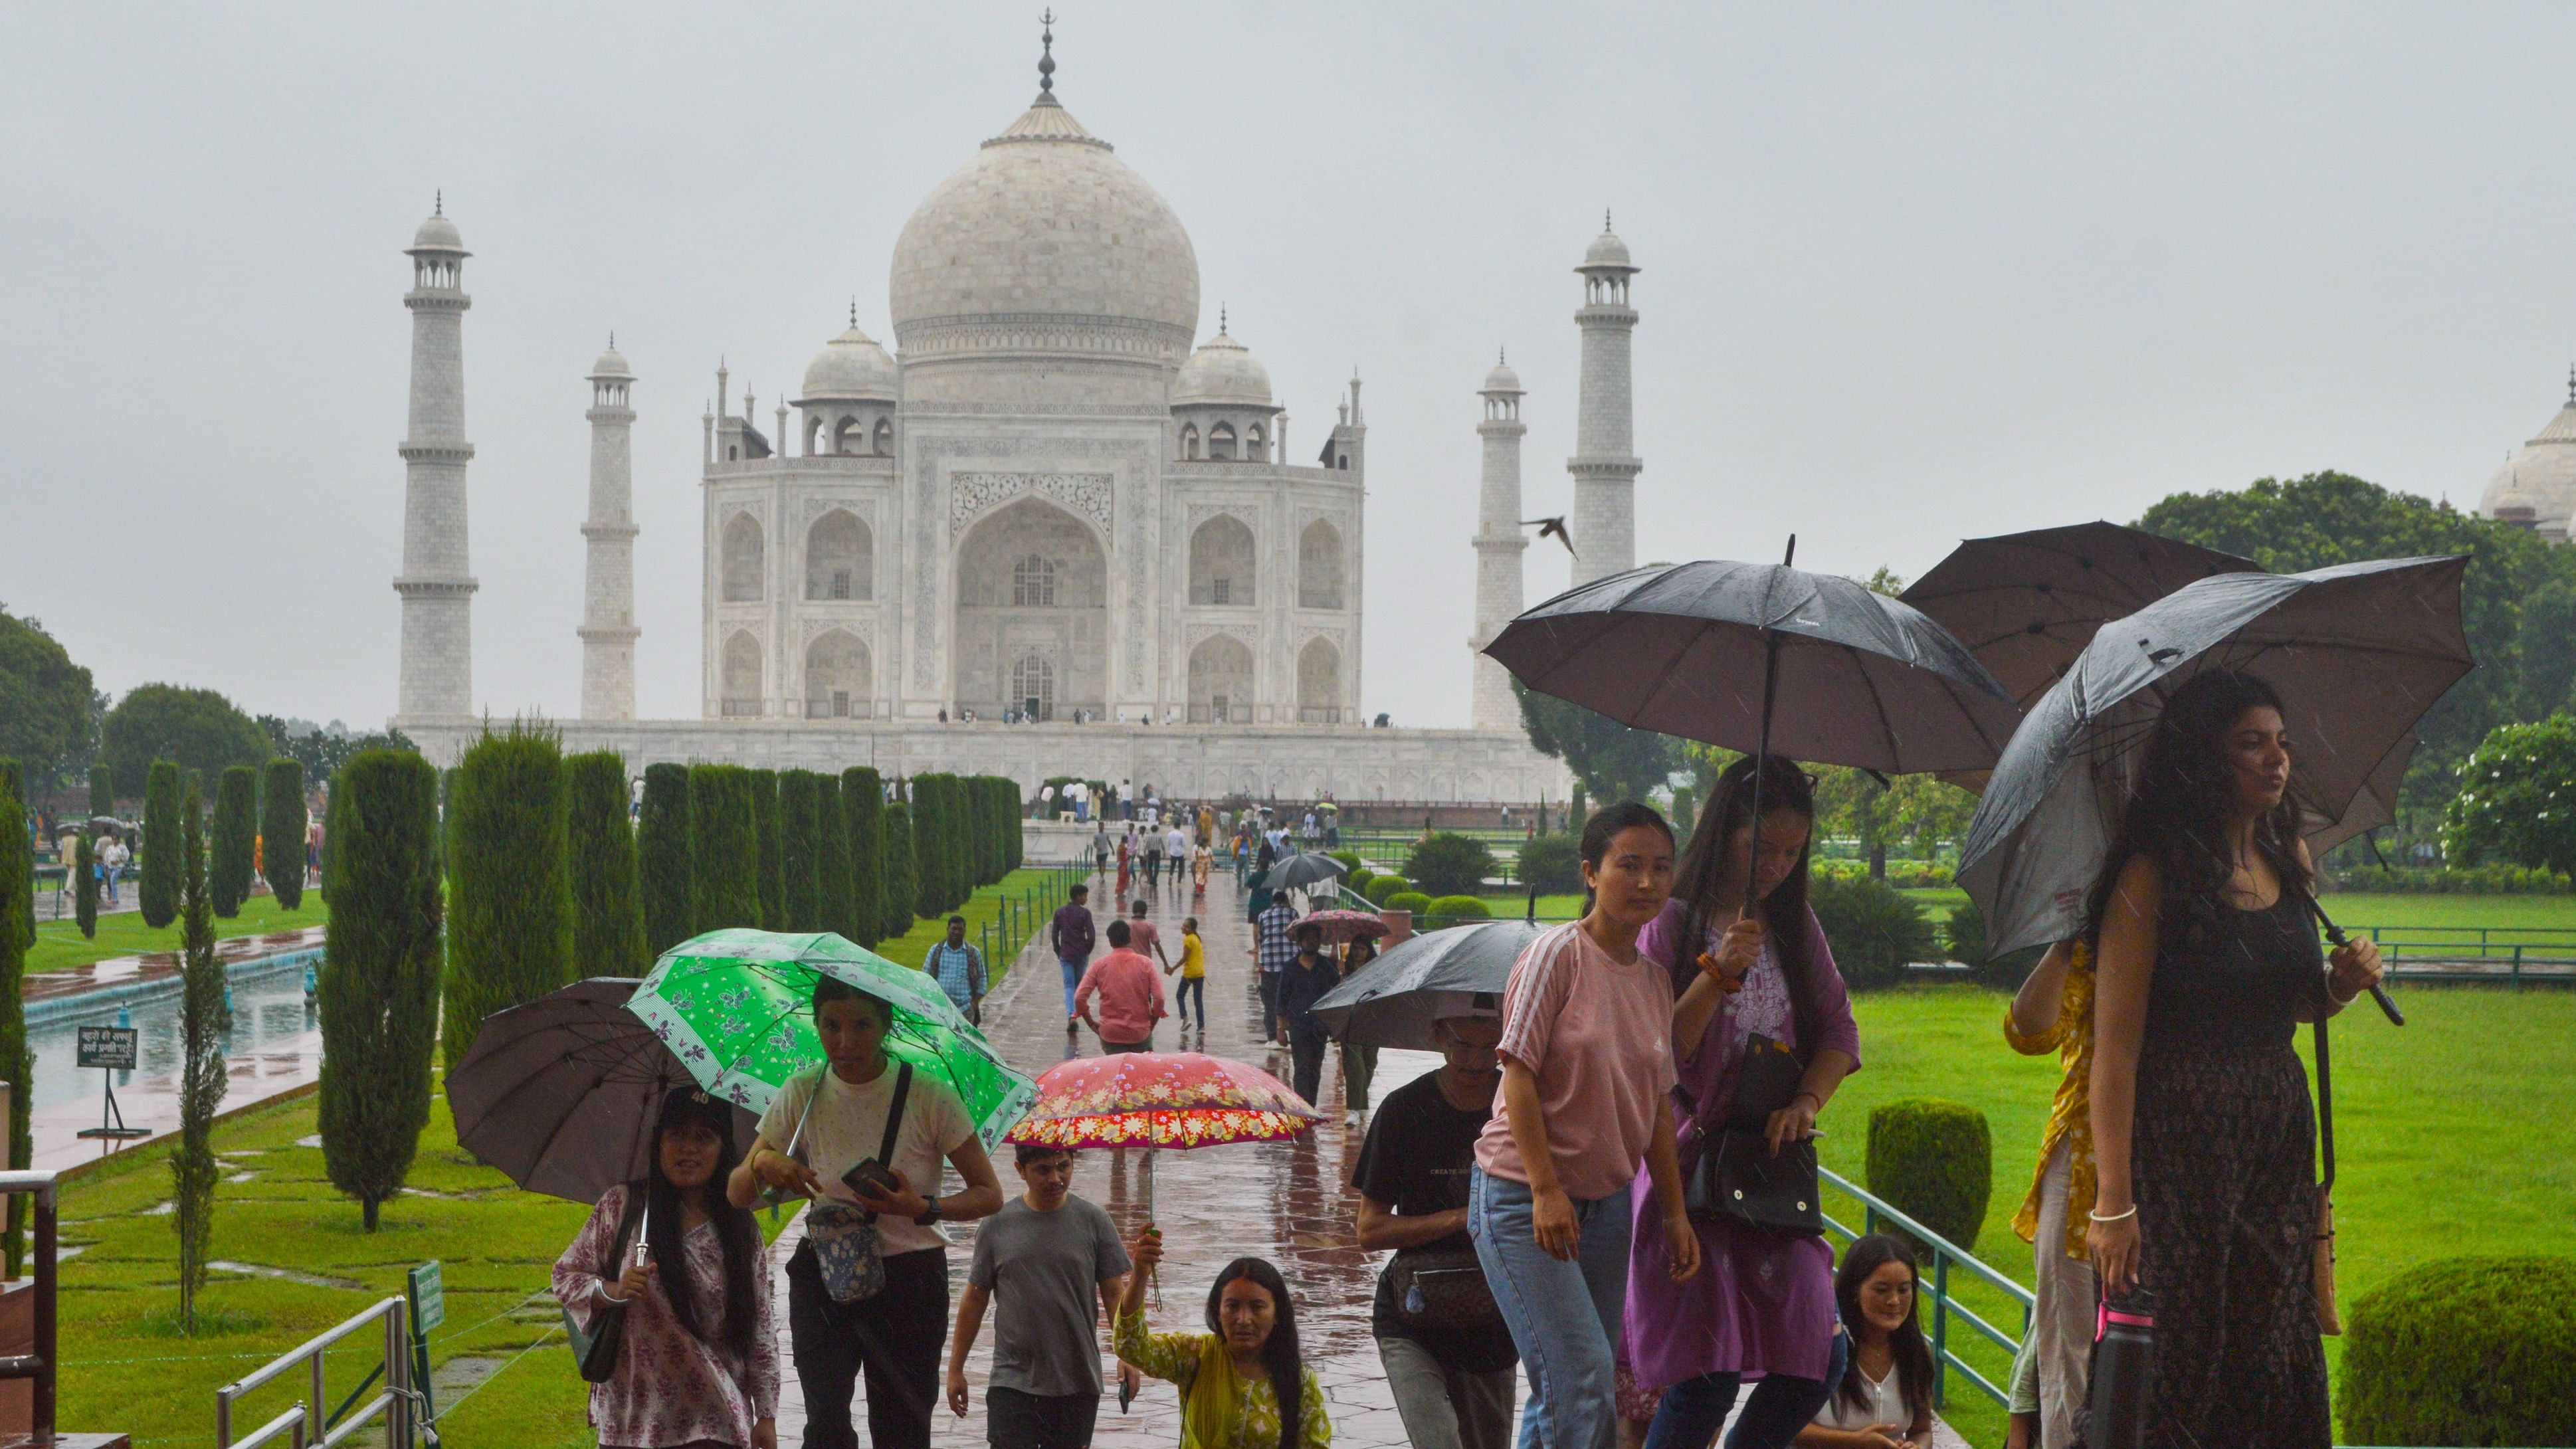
{"x": 1587, "y": 1060}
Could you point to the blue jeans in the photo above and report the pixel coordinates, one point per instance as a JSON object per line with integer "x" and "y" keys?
{"x": 1191, "y": 986}
{"x": 1564, "y": 1317}
{"x": 1072, "y": 978}
{"x": 1694, "y": 1409}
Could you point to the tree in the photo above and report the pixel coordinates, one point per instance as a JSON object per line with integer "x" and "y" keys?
{"x": 228, "y": 874}
{"x": 931, "y": 856}
{"x": 902, "y": 886}
{"x": 607, "y": 921}
{"x": 863, "y": 806}
{"x": 20, "y": 850}
{"x": 835, "y": 903}
{"x": 196, "y": 727}
{"x": 17, "y": 927}
{"x": 85, "y": 885}
{"x": 772, "y": 863}
{"x": 798, "y": 848}
{"x": 724, "y": 848}
{"x": 322, "y": 750}
{"x": 157, "y": 891}
{"x": 282, "y": 827}
{"x": 378, "y": 992}
{"x": 45, "y": 699}
{"x": 1906, "y": 808}
{"x": 509, "y": 937}
{"x": 1613, "y": 761}
{"x": 201, "y": 1066}
{"x": 662, "y": 866}
{"x": 102, "y": 790}
{"x": 2516, "y": 798}
{"x": 1450, "y": 864}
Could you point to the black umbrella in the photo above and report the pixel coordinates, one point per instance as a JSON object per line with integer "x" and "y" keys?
{"x": 1461, "y": 971}
{"x": 561, "y": 1093}
{"x": 1297, "y": 871}
{"x": 2357, "y": 653}
{"x": 2027, "y": 603}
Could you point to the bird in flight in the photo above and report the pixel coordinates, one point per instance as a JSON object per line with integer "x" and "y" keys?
{"x": 1552, "y": 528}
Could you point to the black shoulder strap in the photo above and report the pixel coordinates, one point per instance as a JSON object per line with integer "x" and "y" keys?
{"x": 894, "y": 1114}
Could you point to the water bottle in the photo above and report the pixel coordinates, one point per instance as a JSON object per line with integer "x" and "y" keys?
{"x": 2124, "y": 1373}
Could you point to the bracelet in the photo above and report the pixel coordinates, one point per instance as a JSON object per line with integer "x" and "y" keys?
{"x": 2115, "y": 1217}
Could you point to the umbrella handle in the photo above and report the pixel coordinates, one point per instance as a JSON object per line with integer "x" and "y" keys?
{"x": 2334, "y": 933}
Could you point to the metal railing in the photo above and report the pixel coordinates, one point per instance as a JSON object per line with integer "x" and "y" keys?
{"x": 1946, "y": 1307}
{"x": 311, "y": 1421}
{"x": 1022, "y": 912}
{"x": 40, "y": 1365}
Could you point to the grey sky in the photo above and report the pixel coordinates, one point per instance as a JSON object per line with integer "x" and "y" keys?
{"x": 1911, "y": 273}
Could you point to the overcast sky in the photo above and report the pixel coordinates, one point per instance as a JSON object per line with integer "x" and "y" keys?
{"x": 1912, "y": 273}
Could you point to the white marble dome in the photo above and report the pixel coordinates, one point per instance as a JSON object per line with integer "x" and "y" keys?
{"x": 611, "y": 364}
{"x": 1606, "y": 251}
{"x": 2540, "y": 478}
{"x": 1045, "y": 225}
{"x": 1222, "y": 371}
{"x": 438, "y": 234}
{"x": 1502, "y": 379}
{"x": 850, "y": 366}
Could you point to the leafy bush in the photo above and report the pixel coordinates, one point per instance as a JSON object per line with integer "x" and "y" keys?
{"x": 928, "y": 812}
{"x": 102, "y": 790}
{"x": 863, "y": 809}
{"x": 1380, "y": 887}
{"x": 1457, "y": 911}
{"x": 1350, "y": 859}
{"x": 2516, "y": 801}
{"x": 282, "y": 822}
{"x": 158, "y": 890}
{"x": 377, "y": 991}
{"x": 85, "y": 885}
{"x": 1414, "y": 901}
{"x": 2479, "y": 880}
{"x": 832, "y": 898}
{"x": 1553, "y": 863}
{"x": 662, "y": 869}
{"x": 1965, "y": 937}
{"x": 197, "y": 728}
{"x": 770, "y": 863}
{"x": 2469, "y": 1350}
{"x": 233, "y": 859}
{"x": 899, "y": 853}
{"x": 509, "y": 928}
{"x": 798, "y": 847}
{"x": 1875, "y": 932}
{"x": 724, "y": 849}
{"x": 1902, "y": 874}
{"x": 1449, "y": 863}
{"x": 1933, "y": 1161}
{"x": 607, "y": 917}
{"x": 1359, "y": 878}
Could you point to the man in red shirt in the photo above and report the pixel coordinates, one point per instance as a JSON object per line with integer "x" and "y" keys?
{"x": 1144, "y": 938}
{"x": 1130, "y": 992}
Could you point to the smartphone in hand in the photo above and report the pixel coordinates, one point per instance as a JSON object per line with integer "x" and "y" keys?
{"x": 872, "y": 1178}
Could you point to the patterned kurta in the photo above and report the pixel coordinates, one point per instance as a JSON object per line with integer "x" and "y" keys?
{"x": 671, "y": 1387}
{"x": 1254, "y": 1407}
{"x": 2070, "y": 1119}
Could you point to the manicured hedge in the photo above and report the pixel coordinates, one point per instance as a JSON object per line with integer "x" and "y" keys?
{"x": 607, "y": 913}
{"x": 1458, "y": 910}
{"x": 1552, "y": 863}
{"x": 1414, "y": 901}
{"x": 927, "y": 812}
{"x": 85, "y": 885}
{"x": 17, "y": 925}
{"x": 1381, "y": 887}
{"x": 102, "y": 790}
{"x": 863, "y": 809}
{"x": 1964, "y": 936}
{"x": 663, "y": 873}
{"x": 2470, "y": 1350}
{"x": 903, "y": 886}
{"x": 1450, "y": 863}
{"x": 157, "y": 892}
{"x": 1934, "y": 1161}
{"x": 1359, "y": 878}
{"x": 232, "y": 859}
{"x": 800, "y": 851}
{"x": 377, "y": 991}
{"x": 509, "y": 924}
{"x": 832, "y": 897}
{"x": 724, "y": 849}
{"x": 283, "y": 822}
{"x": 1875, "y": 931}
{"x": 772, "y": 865}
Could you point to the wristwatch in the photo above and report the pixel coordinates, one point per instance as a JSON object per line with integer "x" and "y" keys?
{"x": 929, "y": 1215}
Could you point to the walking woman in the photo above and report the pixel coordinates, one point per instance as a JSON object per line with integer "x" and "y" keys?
{"x": 1243, "y": 1383}
{"x": 1587, "y": 1063}
{"x": 2053, "y": 1011}
{"x": 1359, "y": 1059}
{"x": 1744, "y": 973}
{"x": 697, "y": 1364}
{"x": 2204, "y": 1138}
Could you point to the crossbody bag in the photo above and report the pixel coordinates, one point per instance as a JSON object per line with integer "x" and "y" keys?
{"x": 847, "y": 1247}
{"x": 1737, "y": 1178}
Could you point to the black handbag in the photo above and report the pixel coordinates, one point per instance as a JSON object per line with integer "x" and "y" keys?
{"x": 1442, "y": 1290}
{"x": 1737, "y": 1178}
{"x": 596, "y": 1348}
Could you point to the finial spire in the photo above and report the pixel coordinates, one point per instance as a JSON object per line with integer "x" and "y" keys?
{"x": 439, "y": 206}
{"x": 854, "y": 309}
{"x": 612, "y": 339}
{"x": 1501, "y": 358}
{"x": 1220, "y": 327}
{"x": 1046, "y": 53}
{"x": 1605, "y": 221}
{"x": 2571, "y": 385}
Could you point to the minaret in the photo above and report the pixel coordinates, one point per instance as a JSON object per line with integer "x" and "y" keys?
{"x": 437, "y": 593}
{"x": 1498, "y": 544}
{"x": 608, "y": 629}
{"x": 1605, "y": 464}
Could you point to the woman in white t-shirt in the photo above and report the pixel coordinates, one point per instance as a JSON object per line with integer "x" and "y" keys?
{"x": 1885, "y": 1398}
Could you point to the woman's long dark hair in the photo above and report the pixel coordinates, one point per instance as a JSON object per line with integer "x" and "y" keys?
{"x": 1279, "y": 1354}
{"x": 1907, "y": 1345}
{"x": 2177, "y": 811}
{"x": 1700, "y": 877}
{"x": 665, "y": 1233}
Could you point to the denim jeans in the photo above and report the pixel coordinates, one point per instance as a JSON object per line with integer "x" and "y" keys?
{"x": 1564, "y": 1317}
{"x": 1694, "y": 1409}
{"x": 1191, "y": 986}
{"x": 1072, "y": 978}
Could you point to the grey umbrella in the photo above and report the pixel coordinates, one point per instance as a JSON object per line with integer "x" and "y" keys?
{"x": 561, "y": 1093}
{"x": 2357, "y": 653}
{"x": 2027, "y": 603}
{"x": 1301, "y": 870}
{"x": 1457, "y": 972}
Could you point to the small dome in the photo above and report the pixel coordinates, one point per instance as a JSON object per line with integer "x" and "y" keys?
{"x": 850, "y": 366}
{"x": 438, "y": 234}
{"x": 1222, "y": 371}
{"x": 2541, "y": 478}
{"x": 1501, "y": 379}
{"x": 611, "y": 365}
{"x": 1606, "y": 251}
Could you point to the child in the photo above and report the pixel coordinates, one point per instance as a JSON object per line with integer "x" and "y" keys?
{"x": 1885, "y": 1397}
{"x": 1193, "y": 969}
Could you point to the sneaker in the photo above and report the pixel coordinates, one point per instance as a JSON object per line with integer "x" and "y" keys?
{"x": 1351, "y": 1118}
{"x": 1072, "y": 1026}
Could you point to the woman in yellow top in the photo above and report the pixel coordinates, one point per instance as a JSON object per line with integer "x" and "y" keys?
{"x": 1193, "y": 969}
{"x": 1243, "y": 1385}
{"x": 2053, "y": 1011}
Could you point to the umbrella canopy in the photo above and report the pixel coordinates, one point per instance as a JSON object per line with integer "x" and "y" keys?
{"x": 1161, "y": 1099}
{"x": 1461, "y": 971}
{"x": 2357, "y": 654}
{"x": 1339, "y": 925}
{"x": 1719, "y": 651}
{"x": 1301, "y": 870}
{"x": 560, "y": 1093}
{"x": 2027, "y": 603}
{"x": 736, "y": 1006}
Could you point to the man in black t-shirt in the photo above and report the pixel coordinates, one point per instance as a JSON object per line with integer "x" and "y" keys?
{"x": 1452, "y": 1384}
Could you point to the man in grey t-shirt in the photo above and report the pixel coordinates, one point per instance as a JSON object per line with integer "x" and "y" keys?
{"x": 1044, "y": 1257}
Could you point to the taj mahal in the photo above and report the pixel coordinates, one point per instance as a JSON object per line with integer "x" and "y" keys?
{"x": 1050, "y": 532}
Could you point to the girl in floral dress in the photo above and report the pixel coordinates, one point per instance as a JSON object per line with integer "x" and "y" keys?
{"x": 697, "y": 1363}
{"x": 1243, "y": 1384}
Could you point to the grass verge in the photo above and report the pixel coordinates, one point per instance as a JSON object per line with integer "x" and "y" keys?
{"x": 60, "y": 945}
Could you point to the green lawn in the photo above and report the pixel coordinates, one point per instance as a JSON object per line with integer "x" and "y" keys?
{"x": 60, "y": 946}
{"x": 1024, "y": 894}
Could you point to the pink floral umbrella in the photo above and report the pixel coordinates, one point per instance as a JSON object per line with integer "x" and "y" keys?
{"x": 1339, "y": 926}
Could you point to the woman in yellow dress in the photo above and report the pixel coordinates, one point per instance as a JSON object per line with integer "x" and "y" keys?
{"x": 2054, "y": 1012}
{"x": 1243, "y": 1384}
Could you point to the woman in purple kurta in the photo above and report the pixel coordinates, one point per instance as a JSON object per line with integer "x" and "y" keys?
{"x": 1763, "y": 1307}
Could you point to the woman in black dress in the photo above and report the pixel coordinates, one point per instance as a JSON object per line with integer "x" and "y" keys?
{"x": 2204, "y": 1138}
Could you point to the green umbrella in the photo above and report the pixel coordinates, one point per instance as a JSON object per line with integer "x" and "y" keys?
{"x": 736, "y": 1006}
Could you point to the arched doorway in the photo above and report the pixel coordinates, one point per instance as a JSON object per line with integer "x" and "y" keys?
{"x": 1319, "y": 566}
{"x": 1319, "y": 683}
{"x": 1222, "y": 562}
{"x": 1221, "y": 681}
{"x": 1032, "y": 584}
{"x": 743, "y": 560}
{"x": 840, "y": 560}
{"x": 836, "y": 676}
{"x": 741, "y": 676}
